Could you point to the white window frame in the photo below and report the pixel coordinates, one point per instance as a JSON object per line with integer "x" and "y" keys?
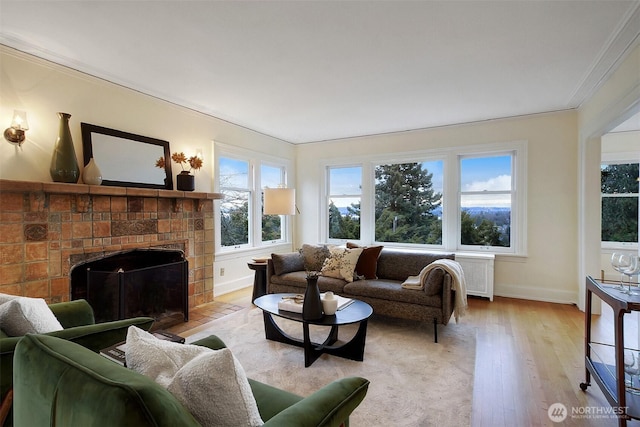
{"x": 255, "y": 161}
{"x": 514, "y": 196}
{"x": 613, "y": 159}
{"x": 328, "y": 195}
{"x": 451, "y": 198}
{"x": 286, "y": 232}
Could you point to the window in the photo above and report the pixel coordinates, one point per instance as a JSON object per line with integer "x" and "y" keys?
{"x": 234, "y": 208}
{"x": 272, "y": 177}
{"x": 486, "y": 198}
{"x": 407, "y": 206}
{"x": 619, "y": 187}
{"x": 451, "y": 199}
{"x": 345, "y": 190}
{"x": 240, "y": 178}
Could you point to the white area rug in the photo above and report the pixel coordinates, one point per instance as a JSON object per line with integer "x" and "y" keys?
{"x": 414, "y": 381}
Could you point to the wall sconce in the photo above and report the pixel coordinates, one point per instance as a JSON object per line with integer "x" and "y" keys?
{"x": 15, "y": 133}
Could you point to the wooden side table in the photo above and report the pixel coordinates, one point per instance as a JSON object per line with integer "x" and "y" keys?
{"x": 259, "y": 279}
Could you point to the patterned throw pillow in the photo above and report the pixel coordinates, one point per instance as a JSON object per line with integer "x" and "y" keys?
{"x": 314, "y": 256}
{"x": 342, "y": 263}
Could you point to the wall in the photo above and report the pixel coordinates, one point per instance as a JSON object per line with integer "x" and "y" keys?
{"x": 616, "y": 100}
{"x": 627, "y": 143}
{"x": 42, "y": 89}
{"x": 548, "y": 270}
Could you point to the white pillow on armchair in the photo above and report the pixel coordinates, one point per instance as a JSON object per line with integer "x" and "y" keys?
{"x": 23, "y": 315}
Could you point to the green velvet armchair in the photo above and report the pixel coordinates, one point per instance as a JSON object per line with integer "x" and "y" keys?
{"x": 77, "y": 319}
{"x": 57, "y": 382}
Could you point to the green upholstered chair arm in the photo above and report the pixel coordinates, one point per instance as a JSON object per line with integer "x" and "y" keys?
{"x": 212, "y": 342}
{"x": 94, "y": 337}
{"x": 73, "y": 313}
{"x": 76, "y": 387}
{"x": 328, "y": 407}
{"x": 100, "y": 335}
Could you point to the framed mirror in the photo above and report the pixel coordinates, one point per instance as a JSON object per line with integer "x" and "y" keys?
{"x": 126, "y": 159}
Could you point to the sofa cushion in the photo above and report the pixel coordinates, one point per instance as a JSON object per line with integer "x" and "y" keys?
{"x": 314, "y": 256}
{"x": 391, "y": 291}
{"x": 367, "y": 265}
{"x": 23, "y": 315}
{"x": 296, "y": 282}
{"x": 211, "y": 384}
{"x": 341, "y": 263}
{"x": 286, "y": 263}
{"x": 396, "y": 264}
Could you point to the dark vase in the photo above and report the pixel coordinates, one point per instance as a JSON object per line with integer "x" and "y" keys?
{"x": 185, "y": 181}
{"x": 64, "y": 164}
{"x": 312, "y": 305}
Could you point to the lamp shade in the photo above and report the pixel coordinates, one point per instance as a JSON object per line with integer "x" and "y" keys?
{"x": 19, "y": 121}
{"x": 279, "y": 201}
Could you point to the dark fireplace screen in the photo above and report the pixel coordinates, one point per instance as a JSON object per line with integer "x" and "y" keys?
{"x": 140, "y": 282}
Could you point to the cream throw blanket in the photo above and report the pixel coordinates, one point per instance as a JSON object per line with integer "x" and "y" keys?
{"x": 459, "y": 285}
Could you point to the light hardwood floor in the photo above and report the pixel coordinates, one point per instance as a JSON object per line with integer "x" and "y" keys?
{"x": 529, "y": 355}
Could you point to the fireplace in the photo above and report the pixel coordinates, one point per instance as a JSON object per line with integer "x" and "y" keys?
{"x": 139, "y": 282}
{"x": 47, "y": 228}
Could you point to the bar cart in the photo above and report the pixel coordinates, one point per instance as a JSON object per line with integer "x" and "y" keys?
{"x": 606, "y": 362}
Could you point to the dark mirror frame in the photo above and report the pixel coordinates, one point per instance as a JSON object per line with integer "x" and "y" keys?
{"x": 89, "y": 133}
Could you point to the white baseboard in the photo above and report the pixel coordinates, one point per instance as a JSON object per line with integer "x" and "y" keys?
{"x": 537, "y": 294}
{"x": 232, "y": 285}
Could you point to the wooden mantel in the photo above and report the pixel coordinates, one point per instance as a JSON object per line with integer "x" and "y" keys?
{"x": 102, "y": 190}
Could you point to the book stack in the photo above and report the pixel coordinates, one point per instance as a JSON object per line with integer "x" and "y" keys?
{"x": 116, "y": 353}
{"x": 294, "y": 303}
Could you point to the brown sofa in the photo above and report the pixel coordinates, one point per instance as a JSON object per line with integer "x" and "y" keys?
{"x": 286, "y": 274}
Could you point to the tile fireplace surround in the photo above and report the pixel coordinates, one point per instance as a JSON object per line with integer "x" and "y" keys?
{"x": 46, "y": 228}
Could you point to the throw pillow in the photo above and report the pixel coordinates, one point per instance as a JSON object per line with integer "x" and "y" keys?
{"x": 23, "y": 315}
{"x": 211, "y": 384}
{"x": 367, "y": 265}
{"x": 341, "y": 263}
{"x": 286, "y": 263}
{"x": 433, "y": 282}
{"x": 314, "y": 256}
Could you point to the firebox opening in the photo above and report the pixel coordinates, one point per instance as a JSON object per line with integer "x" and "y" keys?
{"x": 139, "y": 282}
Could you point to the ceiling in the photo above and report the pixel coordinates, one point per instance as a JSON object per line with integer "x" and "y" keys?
{"x": 306, "y": 71}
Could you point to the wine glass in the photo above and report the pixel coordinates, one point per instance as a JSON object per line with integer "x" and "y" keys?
{"x": 631, "y": 367}
{"x": 632, "y": 269}
{"x": 619, "y": 261}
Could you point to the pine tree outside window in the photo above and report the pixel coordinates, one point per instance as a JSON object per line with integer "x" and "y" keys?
{"x": 344, "y": 200}
{"x": 408, "y": 202}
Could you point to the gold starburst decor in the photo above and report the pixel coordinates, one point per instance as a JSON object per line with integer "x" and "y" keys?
{"x": 194, "y": 162}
